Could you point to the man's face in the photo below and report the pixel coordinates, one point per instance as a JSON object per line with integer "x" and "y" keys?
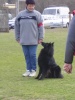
{"x": 30, "y": 7}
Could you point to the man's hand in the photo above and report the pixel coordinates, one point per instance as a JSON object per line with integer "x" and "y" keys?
{"x": 68, "y": 68}
{"x": 39, "y": 41}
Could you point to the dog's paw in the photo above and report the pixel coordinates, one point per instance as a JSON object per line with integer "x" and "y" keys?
{"x": 40, "y": 78}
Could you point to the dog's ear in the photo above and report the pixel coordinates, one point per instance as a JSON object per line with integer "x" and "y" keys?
{"x": 43, "y": 44}
{"x": 53, "y": 43}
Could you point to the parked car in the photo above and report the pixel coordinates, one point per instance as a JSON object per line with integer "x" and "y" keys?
{"x": 53, "y": 12}
{"x": 59, "y": 22}
{"x": 11, "y": 23}
{"x": 56, "y": 16}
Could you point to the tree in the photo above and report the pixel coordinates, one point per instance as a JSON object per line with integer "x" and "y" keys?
{"x": 3, "y": 17}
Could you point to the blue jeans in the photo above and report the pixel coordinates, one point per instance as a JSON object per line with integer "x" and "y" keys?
{"x": 30, "y": 56}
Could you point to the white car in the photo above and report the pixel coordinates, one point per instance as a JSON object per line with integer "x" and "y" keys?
{"x": 11, "y": 23}
{"x": 56, "y": 16}
{"x": 60, "y": 22}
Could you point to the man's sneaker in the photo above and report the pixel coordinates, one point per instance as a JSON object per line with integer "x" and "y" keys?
{"x": 33, "y": 73}
{"x": 27, "y": 73}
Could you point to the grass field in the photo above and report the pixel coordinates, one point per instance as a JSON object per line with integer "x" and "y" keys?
{"x": 12, "y": 65}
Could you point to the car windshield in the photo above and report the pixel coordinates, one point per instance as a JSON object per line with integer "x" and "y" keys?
{"x": 49, "y": 11}
{"x": 13, "y": 19}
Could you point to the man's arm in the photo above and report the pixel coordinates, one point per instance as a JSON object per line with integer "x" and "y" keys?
{"x": 17, "y": 30}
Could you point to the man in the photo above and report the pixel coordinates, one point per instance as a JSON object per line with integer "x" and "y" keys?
{"x": 29, "y": 33}
{"x": 70, "y": 47}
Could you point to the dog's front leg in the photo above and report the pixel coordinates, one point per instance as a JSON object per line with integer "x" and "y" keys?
{"x": 39, "y": 74}
{"x": 42, "y": 76}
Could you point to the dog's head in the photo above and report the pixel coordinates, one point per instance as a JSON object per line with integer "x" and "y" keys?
{"x": 48, "y": 48}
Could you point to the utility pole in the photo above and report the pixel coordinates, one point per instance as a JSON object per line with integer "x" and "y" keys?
{"x": 17, "y": 5}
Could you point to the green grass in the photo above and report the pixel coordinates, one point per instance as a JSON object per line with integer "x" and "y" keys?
{"x": 12, "y": 65}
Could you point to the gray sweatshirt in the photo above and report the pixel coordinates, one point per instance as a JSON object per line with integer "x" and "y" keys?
{"x": 29, "y": 27}
{"x": 70, "y": 44}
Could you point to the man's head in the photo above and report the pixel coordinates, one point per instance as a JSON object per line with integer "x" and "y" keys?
{"x": 30, "y": 2}
{"x": 30, "y": 5}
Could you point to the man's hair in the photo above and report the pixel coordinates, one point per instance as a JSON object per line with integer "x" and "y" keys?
{"x": 30, "y": 2}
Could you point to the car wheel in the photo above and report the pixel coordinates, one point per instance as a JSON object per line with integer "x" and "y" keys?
{"x": 67, "y": 25}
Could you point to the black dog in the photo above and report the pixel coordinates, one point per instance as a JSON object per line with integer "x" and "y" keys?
{"x": 47, "y": 65}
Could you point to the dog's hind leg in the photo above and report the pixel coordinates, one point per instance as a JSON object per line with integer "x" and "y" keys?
{"x": 58, "y": 72}
{"x": 52, "y": 73}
